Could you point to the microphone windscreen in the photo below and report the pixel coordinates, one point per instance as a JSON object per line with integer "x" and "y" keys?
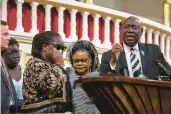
{"x": 156, "y": 61}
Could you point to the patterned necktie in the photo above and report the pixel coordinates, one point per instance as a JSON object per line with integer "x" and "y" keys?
{"x": 135, "y": 63}
{"x": 7, "y": 78}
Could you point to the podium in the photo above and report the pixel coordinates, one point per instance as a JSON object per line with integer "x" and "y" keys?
{"x": 117, "y": 94}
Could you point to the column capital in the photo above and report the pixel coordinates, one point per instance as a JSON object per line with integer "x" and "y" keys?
{"x": 107, "y": 18}
{"x": 4, "y": 1}
{"x": 168, "y": 37}
{"x": 34, "y": 4}
{"x": 144, "y": 27}
{"x": 117, "y": 21}
{"x": 163, "y": 35}
{"x": 97, "y": 15}
{"x": 85, "y": 13}
{"x": 73, "y": 11}
{"x": 150, "y": 30}
{"x": 19, "y": 1}
{"x": 166, "y": 1}
{"x": 48, "y": 6}
{"x": 157, "y": 32}
{"x": 61, "y": 8}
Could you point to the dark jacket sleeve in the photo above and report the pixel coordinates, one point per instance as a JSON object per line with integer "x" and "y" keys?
{"x": 105, "y": 63}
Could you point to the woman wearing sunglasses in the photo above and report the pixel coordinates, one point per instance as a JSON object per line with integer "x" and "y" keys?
{"x": 85, "y": 63}
{"x": 45, "y": 81}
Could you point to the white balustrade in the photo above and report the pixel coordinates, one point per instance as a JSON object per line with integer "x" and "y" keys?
{"x": 142, "y": 39}
{"x": 85, "y": 26}
{"x": 107, "y": 42}
{"x": 34, "y": 29}
{"x": 74, "y": 7}
{"x": 168, "y": 47}
{"x": 96, "y": 39}
{"x": 156, "y": 37}
{"x": 149, "y": 35}
{"x": 116, "y": 30}
{"x": 19, "y": 26}
{"x": 61, "y": 21}
{"x": 73, "y": 36}
{"x": 162, "y": 42}
{"x": 47, "y": 17}
{"x": 4, "y": 10}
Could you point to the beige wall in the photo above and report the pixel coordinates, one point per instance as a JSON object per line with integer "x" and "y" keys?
{"x": 151, "y": 9}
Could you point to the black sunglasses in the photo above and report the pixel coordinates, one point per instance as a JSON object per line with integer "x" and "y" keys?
{"x": 59, "y": 47}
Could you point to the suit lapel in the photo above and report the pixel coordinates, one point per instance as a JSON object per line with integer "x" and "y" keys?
{"x": 143, "y": 53}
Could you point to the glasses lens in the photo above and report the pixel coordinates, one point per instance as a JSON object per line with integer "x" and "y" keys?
{"x": 60, "y": 47}
{"x": 64, "y": 48}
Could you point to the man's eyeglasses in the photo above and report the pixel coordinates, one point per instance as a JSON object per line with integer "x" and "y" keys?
{"x": 59, "y": 47}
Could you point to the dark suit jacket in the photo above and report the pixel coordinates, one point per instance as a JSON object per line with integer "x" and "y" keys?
{"x": 105, "y": 63}
{"x": 148, "y": 53}
{"x": 6, "y": 94}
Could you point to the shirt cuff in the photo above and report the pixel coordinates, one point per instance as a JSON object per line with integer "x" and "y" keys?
{"x": 112, "y": 67}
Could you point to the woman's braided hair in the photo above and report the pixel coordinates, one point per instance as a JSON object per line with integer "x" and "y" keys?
{"x": 39, "y": 39}
{"x": 87, "y": 46}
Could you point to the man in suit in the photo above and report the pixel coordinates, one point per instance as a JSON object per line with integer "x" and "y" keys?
{"x": 8, "y": 94}
{"x": 132, "y": 55}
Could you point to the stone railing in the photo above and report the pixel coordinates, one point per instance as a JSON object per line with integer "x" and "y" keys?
{"x": 76, "y": 20}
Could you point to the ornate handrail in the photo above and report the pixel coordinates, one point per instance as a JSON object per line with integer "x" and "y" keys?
{"x": 103, "y": 37}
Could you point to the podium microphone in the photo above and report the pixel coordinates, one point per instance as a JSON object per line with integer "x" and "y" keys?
{"x": 138, "y": 73}
{"x": 124, "y": 71}
{"x": 158, "y": 63}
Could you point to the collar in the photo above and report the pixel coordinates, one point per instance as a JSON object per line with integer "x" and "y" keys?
{"x": 127, "y": 48}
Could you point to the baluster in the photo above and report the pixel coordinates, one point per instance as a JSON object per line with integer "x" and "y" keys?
{"x": 61, "y": 22}
{"x": 142, "y": 39}
{"x": 149, "y": 35}
{"x": 73, "y": 36}
{"x": 168, "y": 47}
{"x": 156, "y": 37}
{"x": 96, "y": 39}
{"x": 4, "y": 10}
{"x": 34, "y": 18}
{"x": 107, "y": 32}
{"x": 85, "y": 26}
{"x": 116, "y": 31}
{"x": 48, "y": 17}
{"x": 162, "y": 42}
{"x": 19, "y": 26}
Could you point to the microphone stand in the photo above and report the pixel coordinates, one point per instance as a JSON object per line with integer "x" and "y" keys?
{"x": 166, "y": 78}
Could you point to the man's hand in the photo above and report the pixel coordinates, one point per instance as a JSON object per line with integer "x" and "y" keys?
{"x": 58, "y": 57}
{"x": 116, "y": 50}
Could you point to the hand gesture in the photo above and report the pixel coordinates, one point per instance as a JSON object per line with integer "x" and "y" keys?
{"x": 58, "y": 57}
{"x": 116, "y": 50}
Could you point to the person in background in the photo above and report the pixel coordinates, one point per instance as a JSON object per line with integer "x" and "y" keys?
{"x": 85, "y": 63}
{"x": 7, "y": 87}
{"x": 134, "y": 58}
{"x": 11, "y": 58}
{"x": 44, "y": 77}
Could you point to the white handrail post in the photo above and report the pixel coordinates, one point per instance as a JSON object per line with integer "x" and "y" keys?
{"x": 19, "y": 26}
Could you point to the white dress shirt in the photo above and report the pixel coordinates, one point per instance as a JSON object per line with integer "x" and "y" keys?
{"x": 128, "y": 59}
{"x": 127, "y": 54}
